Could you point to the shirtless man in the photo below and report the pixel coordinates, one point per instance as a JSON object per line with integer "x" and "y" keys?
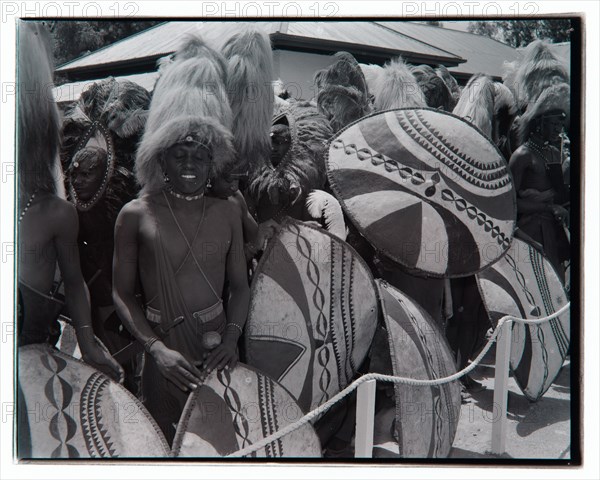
{"x": 539, "y": 213}
{"x": 200, "y": 240}
{"x": 47, "y": 224}
{"x": 47, "y": 236}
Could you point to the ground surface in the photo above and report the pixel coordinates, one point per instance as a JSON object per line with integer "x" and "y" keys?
{"x": 538, "y": 430}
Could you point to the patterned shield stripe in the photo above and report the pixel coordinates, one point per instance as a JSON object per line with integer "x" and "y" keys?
{"x": 234, "y": 409}
{"x": 524, "y": 284}
{"x": 312, "y": 315}
{"x": 426, "y": 188}
{"x": 67, "y": 409}
{"x": 426, "y": 417}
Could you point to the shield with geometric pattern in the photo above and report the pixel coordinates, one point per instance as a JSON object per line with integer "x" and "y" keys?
{"x": 426, "y": 188}
{"x": 67, "y": 409}
{"x": 234, "y": 409}
{"x": 312, "y": 315}
{"x": 426, "y": 416}
{"x": 524, "y": 284}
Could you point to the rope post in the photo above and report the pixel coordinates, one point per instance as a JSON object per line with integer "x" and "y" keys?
{"x": 365, "y": 419}
{"x": 503, "y": 343}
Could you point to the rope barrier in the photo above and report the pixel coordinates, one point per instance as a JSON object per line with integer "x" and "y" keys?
{"x": 390, "y": 378}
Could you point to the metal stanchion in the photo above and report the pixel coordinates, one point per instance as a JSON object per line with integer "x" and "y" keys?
{"x": 503, "y": 343}
{"x": 365, "y": 419}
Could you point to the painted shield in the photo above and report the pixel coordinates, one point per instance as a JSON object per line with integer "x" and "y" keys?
{"x": 67, "y": 409}
{"x": 312, "y": 315}
{"x": 524, "y": 284}
{"x": 426, "y": 188}
{"x": 234, "y": 409}
{"x": 426, "y": 417}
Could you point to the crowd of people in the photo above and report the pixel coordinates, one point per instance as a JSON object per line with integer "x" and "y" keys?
{"x": 172, "y": 197}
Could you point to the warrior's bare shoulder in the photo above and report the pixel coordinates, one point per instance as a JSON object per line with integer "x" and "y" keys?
{"x": 521, "y": 158}
{"x": 226, "y": 210}
{"x": 57, "y": 213}
{"x": 132, "y": 214}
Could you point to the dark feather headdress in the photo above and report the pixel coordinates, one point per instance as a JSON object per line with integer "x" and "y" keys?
{"x": 304, "y": 162}
{"x": 110, "y": 115}
{"x": 342, "y": 93}
{"x": 437, "y": 94}
{"x": 442, "y": 72}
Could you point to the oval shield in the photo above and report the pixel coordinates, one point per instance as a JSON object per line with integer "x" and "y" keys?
{"x": 312, "y": 315}
{"x": 426, "y": 188}
{"x": 67, "y": 409}
{"x": 524, "y": 284}
{"x": 426, "y": 417}
{"x": 235, "y": 408}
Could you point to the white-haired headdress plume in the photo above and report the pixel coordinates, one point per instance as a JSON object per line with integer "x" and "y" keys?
{"x": 535, "y": 72}
{"x": 396, "y": 87}
{"x": 189, "y": 103}
{"x": 555, "y": 100}
{"x": 38, "y": 125}
{"x": 250, "y": 90}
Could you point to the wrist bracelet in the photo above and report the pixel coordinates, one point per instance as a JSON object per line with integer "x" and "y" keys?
{"x": 151, "y": 341}
{"x": 233, "y": 324}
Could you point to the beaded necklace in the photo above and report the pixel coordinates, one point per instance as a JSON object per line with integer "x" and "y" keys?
{"x": 538, "y": 149}
{"x": 189, "y": 198}
{"x": 29, "y": 202}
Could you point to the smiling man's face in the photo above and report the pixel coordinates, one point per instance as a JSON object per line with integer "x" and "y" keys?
{"x": 187, "y": 166}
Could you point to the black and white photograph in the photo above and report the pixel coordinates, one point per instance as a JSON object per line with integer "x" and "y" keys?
{"x": 298, "y": 238}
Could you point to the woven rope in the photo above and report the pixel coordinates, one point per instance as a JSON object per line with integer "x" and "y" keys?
{"x": 390, "y": 378}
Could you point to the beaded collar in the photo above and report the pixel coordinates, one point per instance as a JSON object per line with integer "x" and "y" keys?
{"x": 189, "y": 198}
{"x": 539, "y": 149}
{"x": 29, "y": 202}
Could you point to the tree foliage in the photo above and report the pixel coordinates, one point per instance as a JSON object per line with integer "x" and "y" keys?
{"x": 73, "y": 39}
{"x": 519, "y": 33}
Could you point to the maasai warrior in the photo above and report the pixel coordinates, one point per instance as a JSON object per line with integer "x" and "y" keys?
{"x": 395, "y": 86}
{"x": 281, "y": 186}
{"x": 48, "y": 225}
{"x": 540, "y": 213}
{"x": 184, "y": 244}
{"x": 490, "y": 106}
{"x": 101, "y": 132}
{"x": 528, "y": 77}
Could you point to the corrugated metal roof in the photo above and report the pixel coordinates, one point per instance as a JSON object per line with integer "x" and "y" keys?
{"x": 483, "y": 54}
{"x": 166, "y": 38}
{"x": 364, "y": 33}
